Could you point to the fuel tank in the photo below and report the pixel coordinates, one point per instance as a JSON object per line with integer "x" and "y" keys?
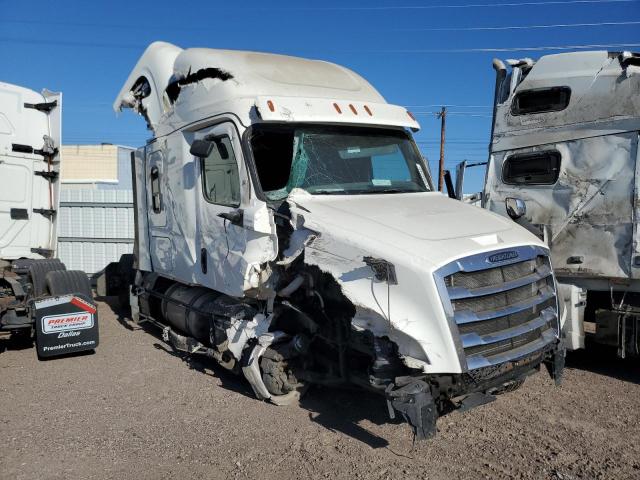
{"x": 187, "y": 313}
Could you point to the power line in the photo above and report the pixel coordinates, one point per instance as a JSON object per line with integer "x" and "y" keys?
{"x": 502, "y": 49}
{"x": 515, "y": 27}
{"x": 455, "y": 144}
{"x": 425, "y": 29}
{"x": 359, "y": 52}
{"x": 468, "y": 114}
{"x": 455, "y": 6}
{"x": 448, "y": 105}
{"x": 351, "y": 8}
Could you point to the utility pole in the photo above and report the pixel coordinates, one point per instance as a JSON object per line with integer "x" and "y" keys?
{"x": 442, "y": 115}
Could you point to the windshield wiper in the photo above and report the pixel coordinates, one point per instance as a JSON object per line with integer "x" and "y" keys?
{"x": 328, "y": 192}
{"x": 382, "y": 190}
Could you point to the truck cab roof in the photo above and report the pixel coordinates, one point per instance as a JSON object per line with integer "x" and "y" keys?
{"x": 566, "y": 95}
{"x": 173, "y": 87}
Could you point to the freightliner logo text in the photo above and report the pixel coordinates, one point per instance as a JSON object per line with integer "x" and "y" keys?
{"x": 502, "y": 256}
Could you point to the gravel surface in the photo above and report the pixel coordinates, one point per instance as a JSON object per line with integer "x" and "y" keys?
{"x": 135, "y": 410}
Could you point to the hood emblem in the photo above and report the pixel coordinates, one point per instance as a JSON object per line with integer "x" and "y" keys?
{"x": 502, "y": 256}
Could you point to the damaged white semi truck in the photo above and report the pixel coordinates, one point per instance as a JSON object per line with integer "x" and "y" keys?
{"x": 286, "y": 226}
{"x": 39, "y": 298}
{"x": 564, "y": 162}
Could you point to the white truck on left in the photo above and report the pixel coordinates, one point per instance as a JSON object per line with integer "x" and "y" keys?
{"x": 39, "y": 298}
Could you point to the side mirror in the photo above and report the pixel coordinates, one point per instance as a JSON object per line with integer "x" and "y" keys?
{"x": 516, "y": 207}
{"x": 201, "y": 148}
{"x": 449, "y": 184}
{"x": 235, "y": 217}
{"x": 460, "y": 170}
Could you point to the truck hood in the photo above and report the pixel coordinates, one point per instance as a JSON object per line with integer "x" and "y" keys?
{"x": 425, "y": 216}
{"x": 412, "y": 235}
{"x": 429, "y": 226}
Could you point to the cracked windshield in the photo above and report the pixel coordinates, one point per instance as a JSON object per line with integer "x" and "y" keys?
{"x": 325, "y": 161}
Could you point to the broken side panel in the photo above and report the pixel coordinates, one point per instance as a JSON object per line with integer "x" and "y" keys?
{"x": 585, "y": 209}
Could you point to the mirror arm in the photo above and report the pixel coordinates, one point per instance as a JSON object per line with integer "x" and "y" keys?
{"x": 235, "y": 217}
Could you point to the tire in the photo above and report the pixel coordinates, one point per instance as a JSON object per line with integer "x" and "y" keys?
{"x": 38, "y": 272}
{"x": 284, "y": 387}
{"x": 63, "y": 282}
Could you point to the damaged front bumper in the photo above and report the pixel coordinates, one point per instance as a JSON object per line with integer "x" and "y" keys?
{"x": 421, "y": 400}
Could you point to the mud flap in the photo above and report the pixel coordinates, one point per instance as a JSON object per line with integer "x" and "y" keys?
{"x": 555, "y": 364}
{"x": 416, "y": 405}
{"x": 65, "y": 324}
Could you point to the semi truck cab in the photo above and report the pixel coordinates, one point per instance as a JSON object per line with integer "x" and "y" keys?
{"x": 287, "y": 226}
{"x": 39, "y": 298}
{"x": 564, "y": 164}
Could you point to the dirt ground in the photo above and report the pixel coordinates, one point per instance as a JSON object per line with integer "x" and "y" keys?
{"x": 135, "y": 410}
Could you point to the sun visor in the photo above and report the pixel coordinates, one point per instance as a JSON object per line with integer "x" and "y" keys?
{"x": 325, "y": 110}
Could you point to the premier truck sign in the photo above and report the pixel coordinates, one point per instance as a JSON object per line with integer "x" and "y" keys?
{"x": 65, "y": 324}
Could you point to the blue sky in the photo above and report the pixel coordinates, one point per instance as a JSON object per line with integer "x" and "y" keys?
{"x": 415, "y": 52}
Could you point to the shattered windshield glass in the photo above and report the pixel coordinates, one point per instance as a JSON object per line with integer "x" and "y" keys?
{"x": 336, "y": 161}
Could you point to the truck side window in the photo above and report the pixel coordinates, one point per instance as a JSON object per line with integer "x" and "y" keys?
{"x": 540, "y": 100}
{"x": 220, "y": 176}
{"x": 537, "y": 168}
{"x": 156, "y": 196}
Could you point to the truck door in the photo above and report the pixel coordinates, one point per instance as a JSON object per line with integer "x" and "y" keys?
{"x": 160, "y": 245}
{"x": 580, "y": 193}
{"x": 232, "y": 246}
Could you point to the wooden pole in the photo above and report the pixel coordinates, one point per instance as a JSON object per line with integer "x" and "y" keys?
{"x": 443, "y": 117}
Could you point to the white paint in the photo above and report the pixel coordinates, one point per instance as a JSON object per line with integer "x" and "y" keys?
{"x": 20, "y": 188}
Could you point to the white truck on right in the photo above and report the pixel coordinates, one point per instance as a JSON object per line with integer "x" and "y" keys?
{"x": 564, "y": 163}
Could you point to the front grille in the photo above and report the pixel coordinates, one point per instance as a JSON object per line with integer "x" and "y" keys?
{"x": 499, "y": 300}
{"x": 502, "y": 312}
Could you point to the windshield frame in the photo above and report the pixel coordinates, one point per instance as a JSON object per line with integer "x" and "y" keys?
{"x": 379, "y": 130}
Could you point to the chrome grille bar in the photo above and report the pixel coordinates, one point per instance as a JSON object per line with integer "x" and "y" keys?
{"x": 468, "y": 316}
{"x": 479, "y": 361}
{"x": 456, "y": 293}
{"x": 473, "y": 339}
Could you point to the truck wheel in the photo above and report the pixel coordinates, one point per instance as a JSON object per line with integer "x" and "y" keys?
{"x": 63, "y": 282}
{"x": 284, "y": 387}
{"x": 38, "y": 272}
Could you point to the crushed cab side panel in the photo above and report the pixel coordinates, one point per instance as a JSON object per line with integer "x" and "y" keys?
{"x": 588, "y": 215}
